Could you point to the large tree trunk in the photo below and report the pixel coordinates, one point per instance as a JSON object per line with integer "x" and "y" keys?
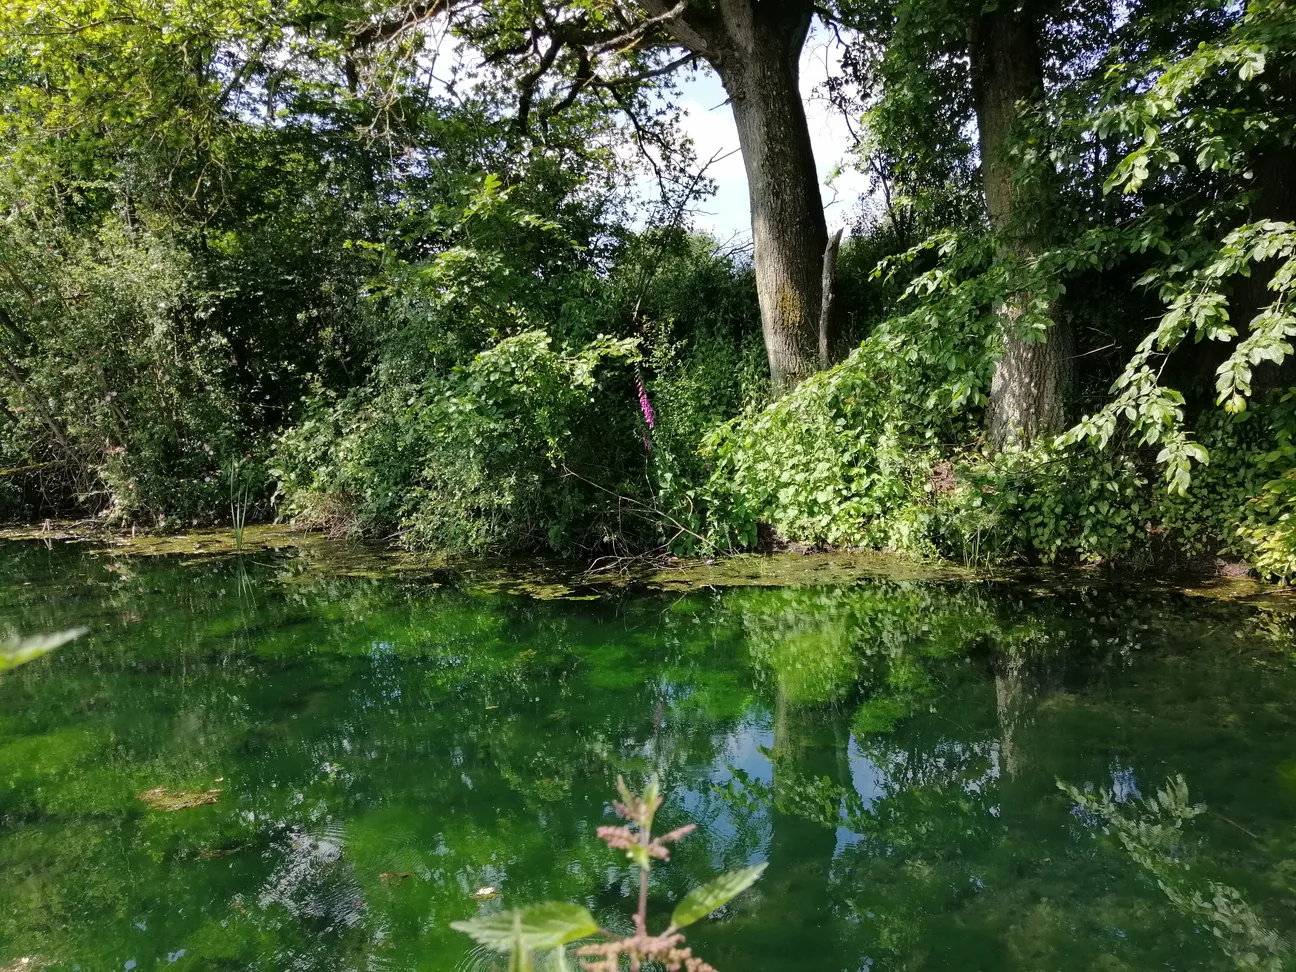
{"x": 788, "y": 227}
{"x": 1031, "y": 384}
{"x": 755, "y": 47}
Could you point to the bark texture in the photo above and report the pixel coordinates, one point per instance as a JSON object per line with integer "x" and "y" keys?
{"x": 1032, "y": 381}
{"x": 828, "y": 306}
{"x": 755, "y": 47}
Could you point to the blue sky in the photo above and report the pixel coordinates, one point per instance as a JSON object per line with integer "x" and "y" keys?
{"x": 709, "y": 121}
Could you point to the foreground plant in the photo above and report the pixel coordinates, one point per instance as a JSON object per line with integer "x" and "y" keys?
{"x": 549, "y": 927}
{"x": 19, "y": 651}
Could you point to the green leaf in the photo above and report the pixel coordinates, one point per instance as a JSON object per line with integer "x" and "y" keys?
{"x": 703, "y": 900}
{"x": 23, "y": 650}
{"x": 547, "y": 925}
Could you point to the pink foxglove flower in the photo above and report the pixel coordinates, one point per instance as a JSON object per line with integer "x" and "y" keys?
{"x": 645, "y": 406}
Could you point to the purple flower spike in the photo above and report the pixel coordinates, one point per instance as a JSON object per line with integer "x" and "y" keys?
{"x": 645, "y": 406}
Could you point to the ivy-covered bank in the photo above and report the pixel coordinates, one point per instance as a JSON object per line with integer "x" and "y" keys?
{"x": 847, "y": 461}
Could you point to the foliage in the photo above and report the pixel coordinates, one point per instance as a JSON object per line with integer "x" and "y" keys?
{"x": 831, "y": 462}
{"x": 476, "y": 460}
{"x": 887, "y": 448}
{"x": 1054, "y": 503}
{"x": 110, "y": 382}
{"x": 501, "y": 415}
{"x": 551, "y": 926}
{"x": 1266, "y": 527}
{"x": 241, "y": 178}
{"x": 19, "y": 651}
{"x": 409, "y": 283}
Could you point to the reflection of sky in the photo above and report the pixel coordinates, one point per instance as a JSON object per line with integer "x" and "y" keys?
{"x": 739, "y": 749}
{"x": 868, "y": 780}
{"x": 742, "y": 751}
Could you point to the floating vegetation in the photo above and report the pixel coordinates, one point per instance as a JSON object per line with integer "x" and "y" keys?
{"x": 161, "y": 798}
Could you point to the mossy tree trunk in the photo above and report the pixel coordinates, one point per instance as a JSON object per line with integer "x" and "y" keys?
{"x": 1032, "y": 379}
{"x": 755, "y": 47}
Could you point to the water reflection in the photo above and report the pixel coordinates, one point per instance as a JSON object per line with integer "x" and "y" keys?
{"x": 1153, "y": 832}
{"x": 385, "y": 750}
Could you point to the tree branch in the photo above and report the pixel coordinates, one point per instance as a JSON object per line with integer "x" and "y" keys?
{"x": 242, "y": 73}
{"x": 583, "y": 79}
{"x": 415, "y": 14}
{"x": 526, "y": 86}
{"x": 637, "y": 33}
{"x": 687, "y": 30}
{"x": 657, "y": 72}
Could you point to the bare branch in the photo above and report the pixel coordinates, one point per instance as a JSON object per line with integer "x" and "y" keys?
{"x": 686, "y": 30}
{"x": 657, "y": 72}
{"x": 633, "y": 36}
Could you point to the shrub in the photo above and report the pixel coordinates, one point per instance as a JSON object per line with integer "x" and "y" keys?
{"x": 477, "y": 460}
{"x": 114, "y": 390}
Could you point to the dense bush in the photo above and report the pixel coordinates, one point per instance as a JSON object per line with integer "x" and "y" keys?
{"x": 818, "y": 468}
{"x": 476, "y": 460}
{"x": 524, "y": 398}
{"x": 117, "y": 391}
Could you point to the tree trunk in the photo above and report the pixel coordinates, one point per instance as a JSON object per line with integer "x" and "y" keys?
{"x": 788, "y": 227}
{"x": 828, "y": 306}
{"x": 1031, "y": 384}
{"x": 755, "y": 47}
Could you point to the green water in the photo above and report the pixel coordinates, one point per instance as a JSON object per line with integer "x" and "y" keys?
{"x": 892, "y": 749}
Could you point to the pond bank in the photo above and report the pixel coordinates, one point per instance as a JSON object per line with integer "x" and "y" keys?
{"x": 548, "y": 578}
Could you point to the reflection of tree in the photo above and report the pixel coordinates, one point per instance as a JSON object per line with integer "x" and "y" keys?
{"x": 960, "y": 830}
{"x": 1152, "y": 832}
{"x": 801, "y": 648}
{"x": 468, "y": 740}
{"x": 815, "y": 653}
{"x": 360, "y": 728}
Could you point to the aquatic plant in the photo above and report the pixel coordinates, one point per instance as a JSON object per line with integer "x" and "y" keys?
{"x": 240, "y": 492}
{"x": 549, "y": 927}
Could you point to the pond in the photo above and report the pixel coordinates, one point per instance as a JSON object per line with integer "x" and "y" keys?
{"x": 948, "y": 775}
